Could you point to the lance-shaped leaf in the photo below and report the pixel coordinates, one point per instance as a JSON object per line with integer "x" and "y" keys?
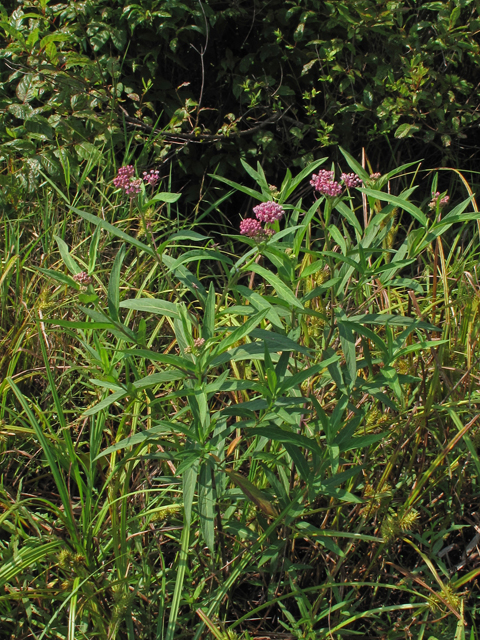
{"x": 283, "y": 292}
{"x": 252, "y": 493}
{"x": 176, "y": 361}
{"x": 114, "y": 285}
{"x": 152, "y": 305}
{"x": 398, "y": 202}
{"x": 70, "y": 263}
{"x": 287, "y": 437}
{"x": 239, "y": 333}
{"x": 206, "y": 503}
{"x": 113, "y": 230}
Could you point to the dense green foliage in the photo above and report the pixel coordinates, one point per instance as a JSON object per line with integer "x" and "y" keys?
{"x": 210, "y": 82}
{"x": 207, "y": 433}
{"x": 273, "y": 434}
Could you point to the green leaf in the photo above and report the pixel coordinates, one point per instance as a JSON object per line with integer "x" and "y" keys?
{"x": 51, "y": 455}
{"x": 113, "y": 230}
{"x": 347, "y": 340}
{"x": 175, "y": 361}
{"x": 354, "y": 165}
{"x": 72, "y": 324}
{"x": 25, "y": 558}
{"x": 306, "y": 527}
{"x": 287, "y": 437}
{"x": 114, "y": 285}
{"x": 252, "y": 493}
{"x": 239, "y": 333}
{"x": 151, "y": 305}
{"x": 299, "y": 460}
{"x": 188, "y": 235}
{"x": 163, "y": 197}
{"x": 105, "y": 403}
{"x": 160, "y": 429}
{"x": 293, "y": 382}
{"x": 197, "y": 255}
{"x": 60, "y": 277}
{"x": 398, "y": 202}
{"x": 350, "y": 216}
{"x": 206, "y": 502}
{"x": 14, "y": 33}
{"x": 208, "y": 328}
{"x": 239, "y": 187}
{"x": 277, "y": 342}
{"x": 87, "y": 298}
{"x": 393, "y": 320}
{"x": 283, "y": 292}
{"x": 406, "y": 130}
{"x": 69, "y": 262}
{"x": 301, "y": 177}
{"x": 187, "y": 278}
{"x": 391, "y": 377}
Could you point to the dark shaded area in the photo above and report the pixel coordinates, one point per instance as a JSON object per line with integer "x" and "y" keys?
{"x": 203, "y": 84}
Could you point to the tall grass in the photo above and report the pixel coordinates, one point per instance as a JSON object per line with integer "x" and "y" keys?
{"x": 253, "y": 437}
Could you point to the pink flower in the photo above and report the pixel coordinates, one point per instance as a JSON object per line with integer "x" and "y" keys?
{"x": 152, "y": 178}
{"x": 375, "y": 176}
{"x": 124, "y": 181}
{"x": 250, "y": 227}
{"x": 253, "y": 229}
{"x": 435, "y": 200}
{"x": 325, "y": 183}
{"x": 268, "y": 211}
{"x": 133, "y": 187}
{"x": 83, "y": 278}
{"x": 351, "y": 180}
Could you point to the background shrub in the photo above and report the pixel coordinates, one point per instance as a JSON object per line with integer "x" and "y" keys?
{"x": 205, "y": 83}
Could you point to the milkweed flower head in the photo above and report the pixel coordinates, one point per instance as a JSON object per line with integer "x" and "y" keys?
{"x": 253, "y": 229}
{"x": 83, "y": 278}
{"x": 351, "y": 180}
{"x": 269, "y": 211}
{"x": 436, "y": 200}
{"x": 152, "y": 177}
{"x": 324, "y": 182}
{"x": 375, "y": 176}
{"x": 125, "y": 181}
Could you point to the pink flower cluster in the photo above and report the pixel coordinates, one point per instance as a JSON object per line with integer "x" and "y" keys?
{"x": 268, "y": 211}
{"x": 351, "y": 180}
{"x": 125, "y": 180}
{"x": 325, "y": 183}
{"x": 436, "y": 200}
{"x": 83, "y": 278}
{"x": 152, "y": 178}
{"x": 265, "y": 212}
{"x": 375, "y": 176}
{"x": 253, "y": 229}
